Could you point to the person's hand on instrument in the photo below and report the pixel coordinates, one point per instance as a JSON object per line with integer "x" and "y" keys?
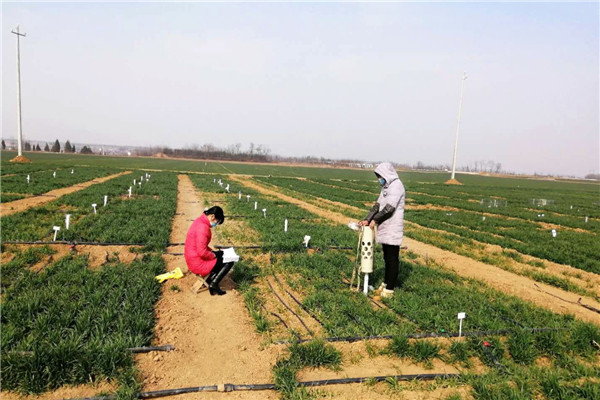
{"x": 363, "y": 223}
{"x": 372, "y": 224}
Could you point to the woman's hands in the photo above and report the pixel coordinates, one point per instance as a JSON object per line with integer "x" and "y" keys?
{"x": 365, "y": 223}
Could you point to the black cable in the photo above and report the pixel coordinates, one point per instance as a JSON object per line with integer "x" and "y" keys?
{"x": 288, "y": 307}
{"x": 228, "y": 387}
{"x": 298, "y": 302}
{"x": 425, "y": 335}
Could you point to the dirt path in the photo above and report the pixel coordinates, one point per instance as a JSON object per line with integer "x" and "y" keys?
{"x": 214, "y": 336}
{"x": 34, "y": 201}
{"x": 584, "y": 279}
{"x": 495, "y": 277}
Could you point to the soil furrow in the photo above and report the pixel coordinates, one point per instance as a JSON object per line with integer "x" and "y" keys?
{"x": 34, "y": 201}
{"x": 495, "y": 277}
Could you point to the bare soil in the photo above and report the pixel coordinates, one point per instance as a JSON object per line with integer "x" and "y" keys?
{"x": 35, "y": 201}
{"x": 214, "y": 337}
{"x": 495, "y": 277}
{"x": 65, "y": 392}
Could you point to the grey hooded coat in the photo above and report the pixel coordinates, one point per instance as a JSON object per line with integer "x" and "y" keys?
{"x": 388, "y": 211}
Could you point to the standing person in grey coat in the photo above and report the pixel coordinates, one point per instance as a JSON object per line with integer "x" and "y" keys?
{"x": 388, "y": 214}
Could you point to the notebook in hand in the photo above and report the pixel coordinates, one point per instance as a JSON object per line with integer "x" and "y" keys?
{"x": 229, "y": 255}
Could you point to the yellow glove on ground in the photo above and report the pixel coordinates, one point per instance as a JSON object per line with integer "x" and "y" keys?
{"x": 175, "y": 274}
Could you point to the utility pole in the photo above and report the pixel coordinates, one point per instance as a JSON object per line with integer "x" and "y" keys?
{"x": 19, "y": 157}
{"x": 462, "y": 87}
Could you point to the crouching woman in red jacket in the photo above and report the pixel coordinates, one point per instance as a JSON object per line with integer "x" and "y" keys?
{"x": 200, "y": 259}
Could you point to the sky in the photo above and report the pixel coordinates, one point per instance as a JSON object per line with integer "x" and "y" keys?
{"x": 371, "y": 81}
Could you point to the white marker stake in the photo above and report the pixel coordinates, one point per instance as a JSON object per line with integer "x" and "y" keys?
{"x": 256, "y": 205}
{"x": 129, "y": 192}
{"x": 483, "y": 218}
{"x": 247, "y": 197}
{"x": 134, "y": 182}
{"x": 264, "y": 210}
{"x": 54, "y": 174}
{"x": 227, "y": 188}
{"x": 67, "y": 220}
{"x": 239, "y": 195}
{"x": 72, "y": 171}
{"x": 105, "y": 200}
{"x": 94, "y": 205}
{"x": 306, "y": 240}
{"x": 140, "y": 184}
{"x": 461, "y": 316}
{"x": 214, "y": 180}
{"x": 56, "y": 229}
{"x": 553, "y": 233}
{"x": 28, "y": 179}
{"x": 285, "y": 225}
{"x": 586, "y": 219}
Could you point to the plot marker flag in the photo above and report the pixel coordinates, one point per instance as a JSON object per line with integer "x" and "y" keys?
{"x": 56, "y": 229}
{"x": 461, "y": 316}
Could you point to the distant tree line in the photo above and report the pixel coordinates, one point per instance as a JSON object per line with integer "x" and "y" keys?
{"x": 235, "y": 152}
{"x": 54, "y": 148}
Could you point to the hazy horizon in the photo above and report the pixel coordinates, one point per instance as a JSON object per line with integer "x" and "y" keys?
{"x": 370, "y": 81}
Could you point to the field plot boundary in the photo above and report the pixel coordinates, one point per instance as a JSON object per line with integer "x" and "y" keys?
{"x": 498, "y": 278}
{"x": 212, "y": 334}
{"x": 16, "y": 206}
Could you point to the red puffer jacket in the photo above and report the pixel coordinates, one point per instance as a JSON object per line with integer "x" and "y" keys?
{"x": 198, "y": 256}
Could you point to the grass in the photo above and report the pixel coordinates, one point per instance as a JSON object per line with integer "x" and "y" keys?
{"x": 521, "y": 346}
{"x": 76, "y": 322}
{"x": 310, "y": 354}
{"x": 13, "y": 270}
{"x": 422, "y": 351}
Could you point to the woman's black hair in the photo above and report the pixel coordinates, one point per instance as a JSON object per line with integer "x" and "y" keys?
{"x": 217, "y": 212}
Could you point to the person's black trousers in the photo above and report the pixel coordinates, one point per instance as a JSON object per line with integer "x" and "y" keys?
{"x": 218, "y": 266}
{"x": 391, "y": 256}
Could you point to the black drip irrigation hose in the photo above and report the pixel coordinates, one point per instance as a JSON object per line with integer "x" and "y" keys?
{"x": 298, "y": 302}
{"x": 382, "y": 305}
{"x": 281, "y": 320}
{"x": 426, "y": 335}
{"x": 311, "y": 333}
{"x": 136, "y": 350}
{"x": 261, "y": 216}
{"x": 229, "y": 387}
{"x": 578, "y": 302}
{"x": 507, "y": 319}
{"x": 488, "y": 352}
{"x": 73, "y": 243}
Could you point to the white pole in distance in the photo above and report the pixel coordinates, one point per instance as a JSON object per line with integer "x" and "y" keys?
{"x": 462, "y": 87}
{"x": 19, "y": 122}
